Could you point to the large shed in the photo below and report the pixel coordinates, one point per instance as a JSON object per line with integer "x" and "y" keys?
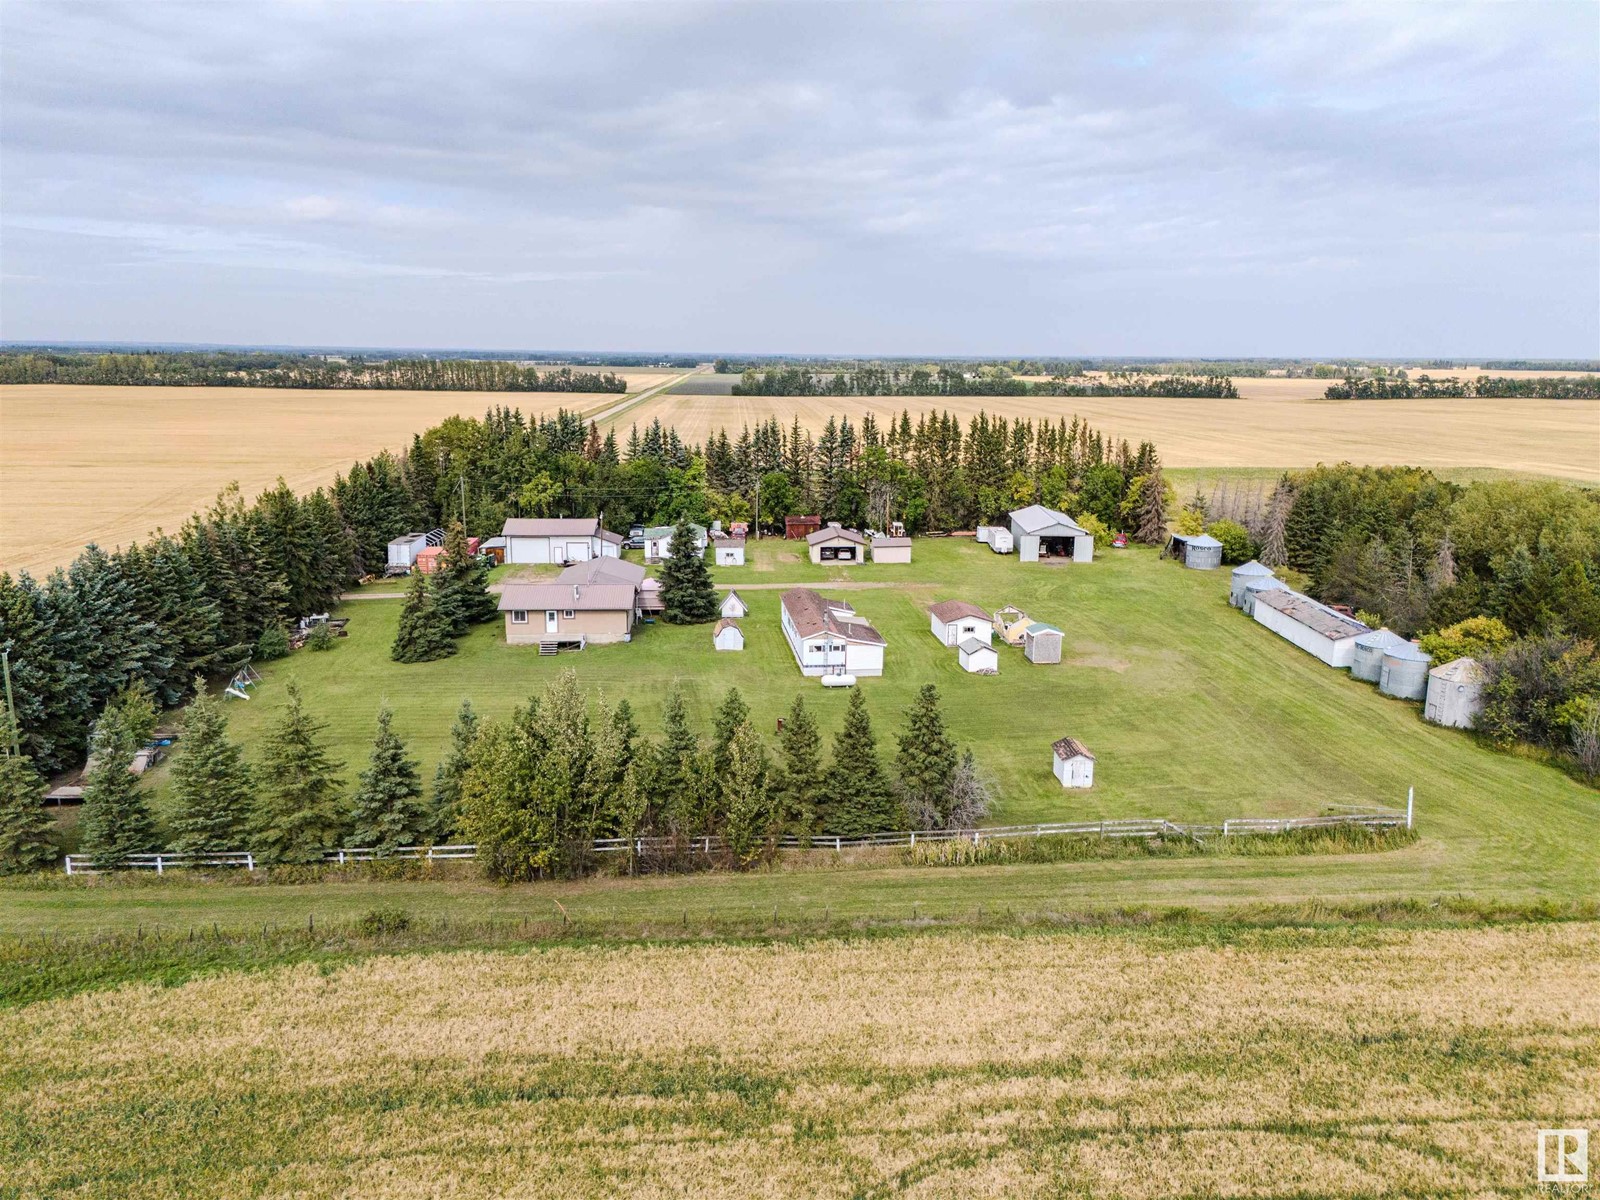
{"x": 1045, "y": 535}
{"x": 833, "y": 543}
{"x": 1405, "y": 672}
{"x": 1315, "y": 628}
{"x": 954, "y": 621}
{"x": 795, "y": 528}
{"x": 891, "y": 549}
{"x": 729, "y": 550}
{"x": 1041, "y": 643}
{"x": 1367, "y": 662}
{"x": 1455, "y": 694}
{"x": 1197, "y": 551}
{"x": 978, "y": 657}
{"x": 1242, "y": 575}
{"x": 1072, "y": 763}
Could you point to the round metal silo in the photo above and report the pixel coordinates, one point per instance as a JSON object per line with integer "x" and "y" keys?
{"x": 1242, "y": 575}
{"x": 1405, "y": 672}
{"x": 1370, "y": 649}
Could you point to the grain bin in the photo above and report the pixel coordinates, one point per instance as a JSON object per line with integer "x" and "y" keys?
{"x": 1405, "y": 672}
{"x": 1254, "y": 588}
{"x": 1370, "y": 649}
{"x": 1455, "y": 694}
{"x": 1242, "y": 575}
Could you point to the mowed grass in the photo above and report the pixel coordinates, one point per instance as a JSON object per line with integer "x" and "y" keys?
{"x": 110, "y": 464}
{"x": 1193, "y": 711}
{"x": 1284, "y": 423}
{"x": 1271, "y": 1063}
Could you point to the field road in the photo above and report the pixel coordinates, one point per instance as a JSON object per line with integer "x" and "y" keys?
{"x": 628, "y": 402}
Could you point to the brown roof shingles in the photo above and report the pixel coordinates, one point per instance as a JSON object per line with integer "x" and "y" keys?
{"x": 812, "y": 615}
{"x": 954, "y": 610}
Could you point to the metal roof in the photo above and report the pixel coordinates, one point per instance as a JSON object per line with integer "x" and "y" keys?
{"x": 1252, "y": 568}
{"x": 830, "y": 532}
{"x": 1407, "y": 652}
{"x": 551, "y": 527}
{"x": 1460, "y": 670}
{"x": 1196, "y": 539}
{"x": 600, "y": 597}
{"x": 890, "y": 542}
{"x": 1037, "y": 517}
{"x": 973, "y": 645}
{"x": 1039, "y": 627}
{"x": 1382, "y": 639}
{"x": 1318, "y": 618}
{"x": 603, "y": 570}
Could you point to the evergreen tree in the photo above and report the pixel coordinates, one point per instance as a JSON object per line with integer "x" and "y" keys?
{"x": 116, "y": 821}
{"x": 25, "y": 825}
{"x": 461, "y": 585}
{"x": 448, "y": 774}
{"x": 857, "y": 796}
{"x": 627, "y": 732}
{"x": 424, "y": 632}
{"x": 674, "y": 759}
{"x": 389, "y": 812}
{"x": 799, "y": 781}
{"x": 210, "y": 781}
{"x": 1151, "y": 525}
{"x": 686, "y": 588}
{"x": 298, "y": 813}
{"x": 746, "y": 799}
{"x": 731, "y": 713}
{"x": 926, "y": 761}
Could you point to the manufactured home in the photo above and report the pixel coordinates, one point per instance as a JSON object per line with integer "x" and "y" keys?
{"x": 558, "y": 540}
{"x": 1315, "y": 628}
{"x": 1045, "y": 535}
{"x": 828, "y": 637}
{"x": 954, "y": 621}
{"x": 1072, "y": 763}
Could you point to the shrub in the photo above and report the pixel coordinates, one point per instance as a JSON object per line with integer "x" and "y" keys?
{"x": 273, "y": 643}
{"x": 1189, "y": 522}
{"x": 383, "y": 921}
{"x": 321, "y": 638}
{"x": 1237, "y": 547}
{"x": 1476, "y": 637}
{"x": 1093, "y": 525}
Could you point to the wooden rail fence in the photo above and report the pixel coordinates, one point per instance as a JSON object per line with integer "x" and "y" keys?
{"x": 1137, "y": 827}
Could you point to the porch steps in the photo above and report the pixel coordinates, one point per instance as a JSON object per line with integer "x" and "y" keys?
{"x": 548, "y": 648}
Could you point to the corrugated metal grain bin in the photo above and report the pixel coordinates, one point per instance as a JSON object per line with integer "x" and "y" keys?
{"x": 1370, "y": 649}
{"x": 1405, "y": 672}
{"x": 1242, "y": 575}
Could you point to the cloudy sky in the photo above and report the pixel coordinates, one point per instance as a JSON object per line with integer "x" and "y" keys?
{"x": 1138, "y": 178}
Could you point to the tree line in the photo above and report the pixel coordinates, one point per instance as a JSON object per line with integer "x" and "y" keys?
{"x": 224, "y": 369}
{"x": 1399, "y": 387}
{"x": 964, "y": 381}
{"x": 534, "y": 791}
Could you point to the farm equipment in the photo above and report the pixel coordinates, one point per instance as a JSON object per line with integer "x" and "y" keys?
{"x": 306, "y": 626}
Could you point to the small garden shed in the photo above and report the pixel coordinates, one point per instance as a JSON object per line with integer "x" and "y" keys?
{"x": 978, "y": 657}
{"x": 733, "y": 606}
{"x": 1041, "y": 643}
{"x": 1072, "y": 763}
{"x": 728, "y": 635}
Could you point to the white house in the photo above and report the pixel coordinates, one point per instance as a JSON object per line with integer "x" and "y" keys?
{"x": 954, "y": 621}
{"x": 834, "y": 543}
{"x": 1072, "y": 763}
{"x": 977, "y": 656}
{"x": 558, "y": 540}
{"x": 891, "y": 549}
{"x": 1045, "y": 535}
{"x": 728, "y": 635}
{"x": 1315, "y": 628}
{"x": 734, "y": 607}
{"x": 729, "y": 550}
{"x": 1455, "y": 694}
{"x": 658, "y": 541}
{"x": 828, "y": 637}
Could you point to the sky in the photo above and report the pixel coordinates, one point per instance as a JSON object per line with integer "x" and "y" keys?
{"x": 1216, "y": 180}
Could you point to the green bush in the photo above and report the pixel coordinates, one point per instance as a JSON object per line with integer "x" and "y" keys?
{"x": 273, "y": 643}
{"x": 383, "y": 921}
{"x": 321, "y": 637}
{"x": 1235, "y": 538}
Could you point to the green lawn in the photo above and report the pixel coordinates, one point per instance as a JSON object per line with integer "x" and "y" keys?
{"x": 1194, "y": 712}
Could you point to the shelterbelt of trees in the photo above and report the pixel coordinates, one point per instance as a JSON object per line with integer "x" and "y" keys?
{"x": 298, "y": 371}
{"x": 1399, "y": 387}
{"x": 985, "y": 380}
{"x": 201, "y": 601}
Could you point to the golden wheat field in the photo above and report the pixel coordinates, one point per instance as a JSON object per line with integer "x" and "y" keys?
{"x": 1338, "y": 1063}
{"x": 1274, "y": 423}
{"x": 106, "y": 464}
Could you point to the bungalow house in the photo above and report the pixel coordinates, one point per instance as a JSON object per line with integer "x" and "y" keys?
{"x": 828, "y": 637}
{"x": 978, "y": 657}
{"x": 658, "y": 541}
{"x": 834, "y": 543}
{"x": 595, "y": 601}
{"x": 795, "y": 528}
{"x": 729, "y": 550}
{"x": 891, "y": 549}
{"x": 954, "y": 621}
{"x": 728, "y": 635}
{"x": 733, "y": 605}
{"x": 1072, "y": 763}
{"x": 558, "y": 540}
{"x": 1045, "y": 535}
{"x": 1315, "y": 628}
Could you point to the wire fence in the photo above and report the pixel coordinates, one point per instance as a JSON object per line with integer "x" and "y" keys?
{"x": 1137, "y": 827}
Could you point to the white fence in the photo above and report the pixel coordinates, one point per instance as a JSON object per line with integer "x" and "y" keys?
{"x": 79, "y": 864}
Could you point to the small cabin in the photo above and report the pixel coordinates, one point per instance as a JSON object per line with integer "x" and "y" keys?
{"x": 1197, "y": 551}
{"x": 734, "y": 607}
{"x": 978, "y": 657}
{"x": 1072, "y": 763}
{"x": 728, "y": 635}
{"x": 891, "y": 550}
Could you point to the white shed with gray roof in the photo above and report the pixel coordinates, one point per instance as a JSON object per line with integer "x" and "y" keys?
{"x": 1045, "y": 535}
{"x": 1315, "y": 628}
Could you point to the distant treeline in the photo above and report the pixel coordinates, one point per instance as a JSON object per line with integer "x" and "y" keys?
{"x": 225, "y": 369}
{"x": 1524, "y": 364}
{"x": 948, "y": 381}
{"x": 1551, "y": 387}
{"x": 1004, "y": 366}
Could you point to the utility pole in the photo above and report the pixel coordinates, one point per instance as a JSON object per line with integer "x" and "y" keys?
{"x": 11, "y": 704}
{"x": 758, "y": 508}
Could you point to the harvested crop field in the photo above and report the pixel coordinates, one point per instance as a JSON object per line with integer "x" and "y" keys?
{"x": 1274, "y": 423}
{"x": 1342, "y": 1062}
{"x": 107, "y": 464}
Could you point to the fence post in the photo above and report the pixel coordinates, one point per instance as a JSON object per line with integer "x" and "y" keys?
{"x": 1411, "y": 797}
{"x": 341, "y": 858}
{"x": 69, "y": 864}
{"x": 837, "y": 845}
{"x": 249, "y": 861}
{"x": 913, "y": 837}
{"x": 1224, "y": 828}
{"x": 158, "y": 864}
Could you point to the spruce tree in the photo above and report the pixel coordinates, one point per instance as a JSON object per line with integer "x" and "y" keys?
{"x": 461, "y": 585}
{"x": 926, "y": 761}
{"x": 746, "y": 801}
{"x": 424, "y": 632}
{"x": 731, "y": 713}
{"x": 1151, "y": 515}
{"x": 857, "y": 797}
{"x": 674, "y": 759}
{"x": 627, "y": 732}
{"x": 116, "y": 820}
{"x": 299, "y": 812}
{"x": 448, "y": 774}
{"x": 388, "y": 810}
{"x": 25, "y": 826}
{"x": 210, "y": 781}
{"x": 686, "y": 588}
{"x": 799, "y": 781}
